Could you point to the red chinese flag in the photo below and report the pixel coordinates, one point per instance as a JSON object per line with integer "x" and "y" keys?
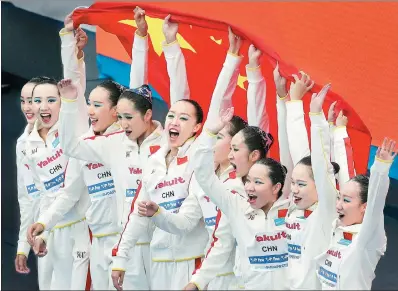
{"x": 205, "y": 62}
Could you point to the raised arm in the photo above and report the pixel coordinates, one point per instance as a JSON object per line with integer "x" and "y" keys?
{"x": 227, "y": 80}
{"x": 179, "y": 88}
{"x": 73, "y": 63}
{"x": 220, "y": 252}
{"x": 373, "y": 221}
{"x": 139, "y": 64}
{"x": 322, "y": 169}
{"x": 256, "y": 91}
{"x": 342, "y": 151}
{"x": 284, "y": 152}
{"x": 204, "y": 171}
{"x": 296, "y": 130}
{"x": 92, "y": 149}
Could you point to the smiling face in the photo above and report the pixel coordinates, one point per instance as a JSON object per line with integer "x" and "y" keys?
{"x": 303, "y": 187}
{"x": 100, "y": 110}
{"x": 181, "y": 123}
{"x": 27, "y": 103}
{"x": 259, "y": 187}
{"x": 132, "y": 121}
{"x": 349, "y": 205}
{"x": 47, "y": 103}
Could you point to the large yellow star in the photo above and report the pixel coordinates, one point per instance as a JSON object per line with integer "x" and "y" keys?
{"x": 155, "y": 30}
{"x": 241, "y": 81}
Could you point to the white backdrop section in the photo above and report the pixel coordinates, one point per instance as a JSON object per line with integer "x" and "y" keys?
{"x": 53, "y": 9}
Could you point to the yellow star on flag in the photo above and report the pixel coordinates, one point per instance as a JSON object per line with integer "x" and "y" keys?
{"x": 241, "y": 81}
{"x": 155, "y": 30}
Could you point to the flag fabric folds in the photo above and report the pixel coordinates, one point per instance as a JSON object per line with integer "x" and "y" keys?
{"x": 205, "y": 42}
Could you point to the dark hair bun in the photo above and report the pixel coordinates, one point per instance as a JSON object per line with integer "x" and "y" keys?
{"x": 284, "y": 169}
{"x": 336, "y": 168}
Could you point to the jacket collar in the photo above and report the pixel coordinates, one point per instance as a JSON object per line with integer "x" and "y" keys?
{"x": 182, "y": 150}
{"x": 355, "y": 228}
{"x": 154, "y": 135}
{"x": 278, "y": 204}
{"x": 35, "y": 136}
{"x": 229, "y": 173}
{"x": 300, "y": 212}
{"x": 111, "y": 129}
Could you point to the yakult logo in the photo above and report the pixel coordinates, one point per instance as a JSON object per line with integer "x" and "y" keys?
{"x": 135, "y": 171}
{"x": 93, "y": 166}
{"x": 278, "y": 236}
{"x": 333, "y": 253}
{"x": 175, "y": 181}
{"x": 295, "y": 225}
{"x": 50, "y": 159}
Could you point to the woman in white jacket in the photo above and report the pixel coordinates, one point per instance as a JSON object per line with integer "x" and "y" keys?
{"x": 357, "y": 235}
{"x": 28, "y": 194}
{"x": 256, "y": 217}
{"x": 48, "y": 163}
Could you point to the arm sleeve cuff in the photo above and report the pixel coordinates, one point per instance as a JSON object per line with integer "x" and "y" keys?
{"x": 196, "y": 282}
{"x": 68, "y": 105}
{"x": 318, "y": 119}
{"x": 340, "y": 132}
{"x": 254, "y": 75}
{"x": 64, "y": 32}
{"x": 140, "y": 42}
{"x": 158, "y": 212}
{"x": 172, "y": 49}
{"x": 23, "y": 248}
{"x": 119, "y": 263}
{"x": 232, "y": 61}
{"x": 67, "y": 38}
{"x": 381, "y": 166}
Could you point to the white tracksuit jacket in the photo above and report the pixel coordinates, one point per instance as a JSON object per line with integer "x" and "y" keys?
{"x": 197, "y": 207}
{"x": 46, "y": 159}
{"x": 98, "y": 178}
{"x": 168, "y": 188}
{"x": 255, "y": 232}
{"x": 309, "y": 230}
{"x": 116, "y": 151}
{"x": 28, "y": 194}
{"x": 350, "y": 259}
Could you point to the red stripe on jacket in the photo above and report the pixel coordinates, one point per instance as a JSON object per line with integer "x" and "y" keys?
{"x": 115, "y": 249}
{"x": 215, "y": 239}
{"x": 350, "y": 157}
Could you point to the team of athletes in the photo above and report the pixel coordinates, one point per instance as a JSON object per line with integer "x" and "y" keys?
{"x": 191, "y": 204}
